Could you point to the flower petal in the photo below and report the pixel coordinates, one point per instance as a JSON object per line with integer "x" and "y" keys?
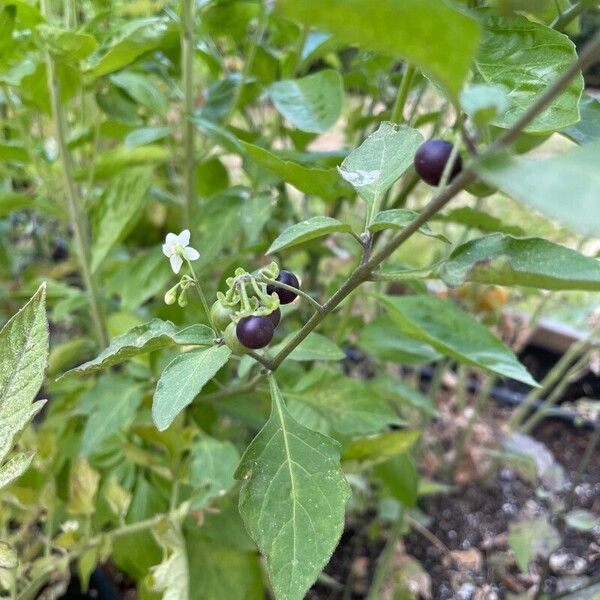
{"x": 191, "y": 253}
{"x": 172, "y": 239}
{"x": 184, "y": 238}
{"x": 176, "y": 262}
{"x": 167, "y": 250}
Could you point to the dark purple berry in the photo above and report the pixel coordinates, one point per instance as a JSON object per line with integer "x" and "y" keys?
{"x": 255, "y": 332}
{"x": 275, "y": 317}
{"x": 285, "y": 296}
{"x": 431, "y": 158}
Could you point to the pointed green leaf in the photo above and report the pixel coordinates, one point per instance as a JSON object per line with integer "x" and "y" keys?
{"x": 323, "y": 183}
{"x": 308, "y": 230}
{"x": 212, "y": 468}
{"x": 379, "y": 448}
{"x": 145, "y": 338}
{"x": 66, "y": 45}
{"x": 375, "y": 339}
{"x": 312, "y": 103}
{"x": 454, "y": 333}
{"x": 532, "y": 538}
{"x": 292, "y": 499}
{"x": 119, "y": 208}
{"x": 23, "y": 361}
{"x": 570, "y": 196}
{"x": 351, "y": 407}
{"x": 134, "y": 38}
{"x": 582, "y": 520}
{"x": 533, "y": 262}
{"x": 400, "y": 218}
{"x": 523, "y": 58}
{"x": 422, "y": 32}
{"x": 380, "y": 160}
{"x": 183, "y": 379}
{"x": 117, "y": 399}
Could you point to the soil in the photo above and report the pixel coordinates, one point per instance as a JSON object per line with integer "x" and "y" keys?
{"x": 472, "y": 524}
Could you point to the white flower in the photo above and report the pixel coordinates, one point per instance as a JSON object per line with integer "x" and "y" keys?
{"x": 177, "y": 247}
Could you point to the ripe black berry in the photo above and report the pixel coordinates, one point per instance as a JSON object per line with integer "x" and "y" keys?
{"x": 431, "y": 158}
{"x": 275, "y": 317}
{"x": 255, "y": 332}
{"x": 285, "y": 296}
{"x": 60, "y": 250}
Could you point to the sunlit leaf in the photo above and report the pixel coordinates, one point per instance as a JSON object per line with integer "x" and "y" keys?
{"x": 305, "y": 231}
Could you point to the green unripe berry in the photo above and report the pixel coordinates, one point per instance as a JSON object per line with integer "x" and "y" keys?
{"x": 221, "y": 315}
{"x": 231, "y": 340}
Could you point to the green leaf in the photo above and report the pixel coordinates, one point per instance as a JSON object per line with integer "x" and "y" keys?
{"x": 401, "y": 478}
{"x": 7, "y": 26}
{"x": 117, "y": 399}
{"x": 476, "y": 219}
{"x": 400, "y": 218}
{"x": 570, "y": 196}
{"x": 422, "y": 32}
{"x": 532, "y": 538}
{"x": 23, "y": 360}
{"x": 117, "y": 159}
{"x": 312, "y": 103}
{"x": 172, "y": 576}
{"x": 454, "y": 333}
{"x": 380, "y": 160}
{"x": 66, "y": 45}
{"x": 145, "y": 338}
{"x": 379, "y": 448}
{"x": 587, "y": 129}
{"x": 142, "y": 89}
{"x": 12, "y": 201}
{"x": 146, "y": 135}
{"x": 483, "y": 103}
{"x": 221, "y": 572}
{"x": 403, "y": 394}
{"x": 523, "y": 58}
{"x": 212, "y": 468}
{"x": 292, "y": 499}
{"x": 183, "y": 379}
{"x": 83, "y": 487}
{"x": 135, "y": 38}
{"x": 324, "y": 183}
{"x": 582, "y": 520}
{"x": 314, "y": 347}
{"x": 14, "y": 467}
{"x": 382, "y": 339}
{"x": 305, "y": 231}
{"x": 351, "y": 407}
{"x": 533, "y": 262}
{"x": 119, "y": 208}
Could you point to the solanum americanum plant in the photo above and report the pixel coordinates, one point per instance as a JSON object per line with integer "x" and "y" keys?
{"x": 360, "y": 195}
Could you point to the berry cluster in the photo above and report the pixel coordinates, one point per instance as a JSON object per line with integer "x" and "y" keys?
{"x": 249, "y": 312}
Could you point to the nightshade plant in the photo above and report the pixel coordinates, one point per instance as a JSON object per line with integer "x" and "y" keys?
{"x": 213, "y": 436}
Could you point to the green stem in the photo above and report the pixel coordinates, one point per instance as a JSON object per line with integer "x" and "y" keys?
{"x": 556, "y": 394}
{"x": 187, "y": 70}
{"x": 385, "y": 559}
{"x": 364, "y": 271}
{"x": 551, "y": 379}
{"x": 74, "y": 202}
{"x": 397, "y": 115}
{"x": 569, "y": 15}
{"x": 200, "y": 291}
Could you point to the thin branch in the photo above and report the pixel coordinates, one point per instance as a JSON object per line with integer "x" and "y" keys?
{"x": 363, "y": 272}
